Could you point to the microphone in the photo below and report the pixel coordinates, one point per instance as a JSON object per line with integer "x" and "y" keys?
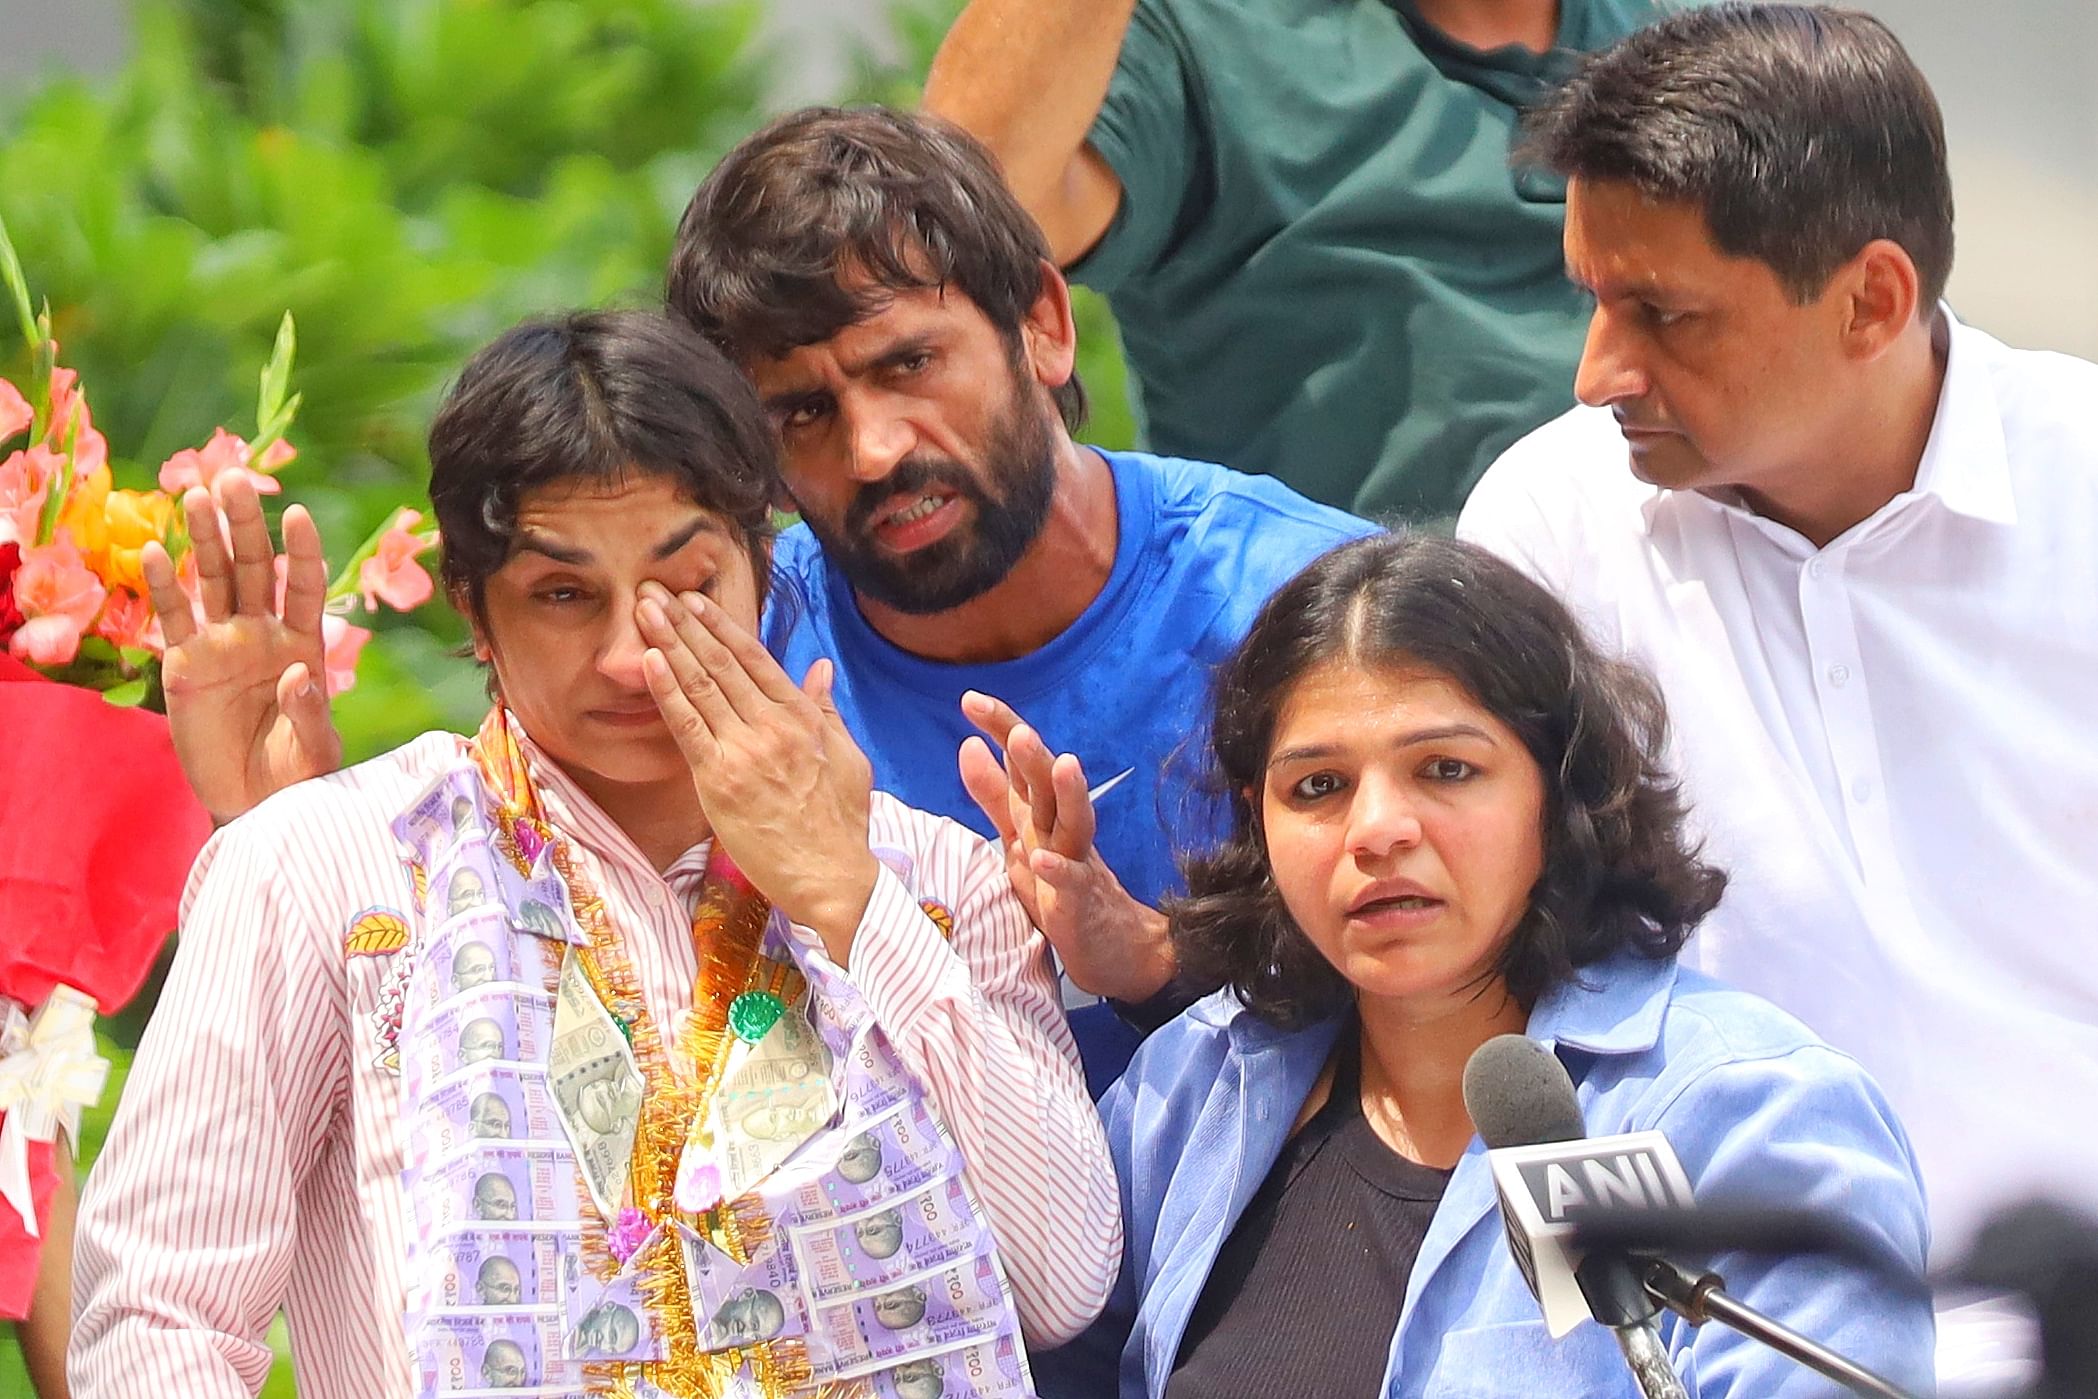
{"x": 1580, "y": 1211}
{"x": 1545, "y": 1168}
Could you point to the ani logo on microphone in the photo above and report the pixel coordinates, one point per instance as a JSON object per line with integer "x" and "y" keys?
{"x": 1543, "y": 1188}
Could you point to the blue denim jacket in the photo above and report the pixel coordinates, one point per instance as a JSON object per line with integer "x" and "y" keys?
{"x": 1755, "y": 1106}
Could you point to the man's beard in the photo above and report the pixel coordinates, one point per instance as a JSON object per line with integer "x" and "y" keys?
{"x": 973, "y": 558}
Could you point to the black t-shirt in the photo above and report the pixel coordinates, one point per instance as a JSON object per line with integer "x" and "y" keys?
{"x": 1305, "y": 1294}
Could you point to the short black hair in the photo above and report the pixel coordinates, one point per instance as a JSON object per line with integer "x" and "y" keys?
{"x": 595, "y": 396}
{"x": 906, "y": 198}
{"x": 1620, "y": 872}
{"x": 1801, "y": 132}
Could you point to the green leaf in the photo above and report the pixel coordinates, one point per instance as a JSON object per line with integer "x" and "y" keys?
{"x": 275, "y": 426}
{"x": 17, "y": 286}
{"x": 276, "y": 376}
{"x": 129, "y": 695}
{"x": 62, "y": 483}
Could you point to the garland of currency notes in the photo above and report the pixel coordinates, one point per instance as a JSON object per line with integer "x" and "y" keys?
{"x": 728, "y": 929}
{"x": 767, "y": 1205}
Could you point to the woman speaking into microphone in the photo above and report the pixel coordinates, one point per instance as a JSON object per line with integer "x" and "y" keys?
{"x": 1449, "y": 821}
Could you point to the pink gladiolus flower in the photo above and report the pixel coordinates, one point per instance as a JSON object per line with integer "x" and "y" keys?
{"x": 91, "y": 449}
{"x": 15, "y": 413}
{"x": 59, "y": 596}
{"x": 391, "y": 575}
{"x": 341, "y": 642}
{"x": 200, "y": 466}
{"x": 25, "y": 481}
{"x": 127, "y": 620}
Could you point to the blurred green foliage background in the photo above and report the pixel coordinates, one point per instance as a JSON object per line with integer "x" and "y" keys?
{"x": 408, "y": 178}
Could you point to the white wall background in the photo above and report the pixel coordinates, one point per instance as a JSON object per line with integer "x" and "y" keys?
{"x": 2018, "y": 80}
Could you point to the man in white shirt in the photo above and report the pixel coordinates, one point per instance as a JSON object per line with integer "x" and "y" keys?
{"x": 1858, "y": 543}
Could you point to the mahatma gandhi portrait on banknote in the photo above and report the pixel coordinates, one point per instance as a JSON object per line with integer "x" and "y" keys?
{"x": 917, "y": 1379}
{"x": 495, "y": 1197}
{"x": 750, "y": 1316}
{"x": 499, "y": 1283}
{"x": 860, "y": 1161}
{"x": 503, "y": 1366}
{"x": 473, "y": 964}
{"x": 607, "y": 1329}
{"x": 480, "y": 1040}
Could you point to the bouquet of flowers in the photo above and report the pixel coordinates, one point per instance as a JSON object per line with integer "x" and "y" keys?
{"x": 73, "y": 595}
{"x": 99, "y": 824}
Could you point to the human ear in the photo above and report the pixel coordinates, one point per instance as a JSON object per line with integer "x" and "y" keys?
{"x": 1049, "y": 332}
{"x": 1882, "y": 297}
{"x": 462, "y": 603}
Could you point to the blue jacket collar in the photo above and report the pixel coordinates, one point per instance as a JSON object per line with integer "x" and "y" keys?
{"x": 1615, "y": 1006}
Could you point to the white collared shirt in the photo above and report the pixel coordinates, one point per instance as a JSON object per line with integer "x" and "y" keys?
{"x": 1891, "y": 743}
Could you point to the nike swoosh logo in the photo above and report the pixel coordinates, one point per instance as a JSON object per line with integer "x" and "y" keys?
{"x": 1108, "y": 786}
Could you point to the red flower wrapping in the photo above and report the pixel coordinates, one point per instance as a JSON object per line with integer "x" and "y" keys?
{"x": 11, "y": 617}
{"x": 18, "y": 1252}
{"x": 97, "y": 832}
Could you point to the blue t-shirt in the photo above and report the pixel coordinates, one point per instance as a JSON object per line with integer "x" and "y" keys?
{"x": 1199, "y": 549}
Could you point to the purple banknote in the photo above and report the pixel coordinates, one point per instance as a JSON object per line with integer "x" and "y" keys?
{"x": 500, "y": 1185}
{"x": 876, "y": 1330}
{"x": 879, "y": 1247}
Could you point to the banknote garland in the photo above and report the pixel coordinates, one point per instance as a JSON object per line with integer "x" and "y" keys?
{"x": 763, "y": 1202}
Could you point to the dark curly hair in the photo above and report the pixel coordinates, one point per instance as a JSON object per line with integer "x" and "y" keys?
{"x": 1619, "y": 871}
{"x": 908, "y": 199}
{"x": 596, "y": 396}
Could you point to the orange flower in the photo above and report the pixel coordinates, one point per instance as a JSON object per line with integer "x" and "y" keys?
{"x": 58, "y": 596}
{"x": 82, "y": 514}
{"x": 391, "y": 575}
{"x": 132, "y": 520}
{"x": 15, "y": 413}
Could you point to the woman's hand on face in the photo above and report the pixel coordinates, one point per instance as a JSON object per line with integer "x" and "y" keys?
{"x": 784, "y": 787}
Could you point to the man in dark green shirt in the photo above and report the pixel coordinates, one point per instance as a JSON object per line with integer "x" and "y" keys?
{"x": 1304, "y": 215}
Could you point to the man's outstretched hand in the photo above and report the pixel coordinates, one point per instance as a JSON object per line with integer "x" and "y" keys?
{"x": 246, "y": 687}
{"x": 1110, "y": 944}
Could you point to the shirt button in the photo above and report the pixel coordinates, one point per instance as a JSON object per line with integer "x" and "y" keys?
{"x": 1861, "y": 789}
{"x": 1815, "y": 568}
{"x": 1839, "y": 675}
{"x": 656, "y": 897}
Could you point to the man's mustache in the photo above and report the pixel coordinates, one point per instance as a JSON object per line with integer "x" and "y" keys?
{"x": 911, "y": 477}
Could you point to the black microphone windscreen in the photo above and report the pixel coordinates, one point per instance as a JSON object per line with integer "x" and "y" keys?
{"x": 1518, "y": 1094}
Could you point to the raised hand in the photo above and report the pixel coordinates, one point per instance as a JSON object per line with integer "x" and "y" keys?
{"x": 784, "y": 787}
{"x": 246, "y": 688}
{"x": 1110, "y": 944}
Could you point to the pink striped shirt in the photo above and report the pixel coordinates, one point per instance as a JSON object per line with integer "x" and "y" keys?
{"x": 255, "y": 1162}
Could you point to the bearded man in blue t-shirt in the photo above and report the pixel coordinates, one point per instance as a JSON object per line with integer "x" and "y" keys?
{"x": 965, "y": 563}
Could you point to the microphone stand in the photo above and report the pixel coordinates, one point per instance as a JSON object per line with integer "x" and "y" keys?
{"x": 1704, "y": 1298}
{"x": 1618, "y": 1300}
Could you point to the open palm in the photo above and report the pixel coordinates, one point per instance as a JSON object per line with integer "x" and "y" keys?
{"x": 243, "y": 672}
